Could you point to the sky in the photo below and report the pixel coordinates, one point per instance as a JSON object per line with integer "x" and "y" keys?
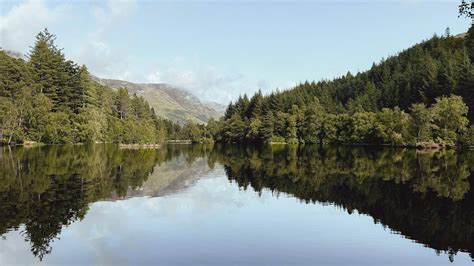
{"x": 220, "y": 49}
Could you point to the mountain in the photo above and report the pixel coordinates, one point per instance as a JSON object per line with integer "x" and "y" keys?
{"x": 217, "y": 106}
{"x": 168, "y": 101}
{"x": 14, "y": 54}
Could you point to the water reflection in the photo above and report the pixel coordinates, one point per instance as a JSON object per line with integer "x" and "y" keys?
{"x": 423, "y": 196}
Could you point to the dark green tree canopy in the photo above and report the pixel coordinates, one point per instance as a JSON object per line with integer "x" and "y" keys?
{"x": 53, "y": 100}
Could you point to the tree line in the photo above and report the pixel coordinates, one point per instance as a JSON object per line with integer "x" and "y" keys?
{"x": 424, "y": 94}
{"x": 50, "y": 99}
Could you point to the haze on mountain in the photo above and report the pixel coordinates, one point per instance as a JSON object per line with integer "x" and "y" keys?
{"x": 170, "y": 102}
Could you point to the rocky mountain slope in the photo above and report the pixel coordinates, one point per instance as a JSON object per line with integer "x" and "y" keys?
{"x": 170, "y": 102}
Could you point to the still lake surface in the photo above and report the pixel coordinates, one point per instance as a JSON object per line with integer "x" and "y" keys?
{"x": 235, "y": 205}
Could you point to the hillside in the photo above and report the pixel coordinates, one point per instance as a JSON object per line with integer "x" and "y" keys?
{"x": 169, "y": 102}
{"x": 424, "y": 94}
{"x": 50, "y": 99}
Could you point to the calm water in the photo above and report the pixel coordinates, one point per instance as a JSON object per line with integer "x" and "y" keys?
{"x": 202, "y": 205}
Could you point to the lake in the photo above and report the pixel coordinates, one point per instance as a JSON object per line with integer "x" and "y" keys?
{"x": 235, "y": 205}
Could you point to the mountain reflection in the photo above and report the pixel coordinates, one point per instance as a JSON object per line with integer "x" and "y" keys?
{"x": 46, "y": 188}
{"x": 423, "y": 196}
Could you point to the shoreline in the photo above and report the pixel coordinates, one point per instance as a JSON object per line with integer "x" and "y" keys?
{"x": 418, "y": 146}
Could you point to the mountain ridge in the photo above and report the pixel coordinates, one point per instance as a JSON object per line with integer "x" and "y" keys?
{"x": 168, "y": 101}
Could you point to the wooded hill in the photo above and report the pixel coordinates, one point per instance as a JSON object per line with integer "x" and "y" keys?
{"x": 423, "y": 94}
{"x": 51, "y": 99}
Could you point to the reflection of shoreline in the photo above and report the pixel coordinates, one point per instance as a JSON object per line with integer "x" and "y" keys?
{"x": 170, "y": 178}
{"x": 424, "y": 196}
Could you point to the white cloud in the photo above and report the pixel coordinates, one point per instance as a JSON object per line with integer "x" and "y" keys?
{"x": 96, "y": 53}
{"x": 204, "y": 81}
{"x": 20, "y": 24}
{"x": 113, "y": 12}
{"x": 103, "y": 61}
{"x": 208, "y": 83}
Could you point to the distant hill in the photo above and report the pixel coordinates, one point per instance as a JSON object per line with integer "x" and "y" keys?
{"x": 170, "y": 102}
{"x": 14, "y": 54}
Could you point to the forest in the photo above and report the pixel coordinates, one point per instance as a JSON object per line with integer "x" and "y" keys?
{"x": 49, "y": 99}
{"x": 424, "y": 94}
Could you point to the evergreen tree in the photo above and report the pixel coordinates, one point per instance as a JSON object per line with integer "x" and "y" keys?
{"x": 465, "y": 87}
{"x": 267, "y": 127}
{"x": 53, "y": 100}
{"x": 255, "y": 105}
{"x": 48, "y": 61}
{"x": 469, "y": 43}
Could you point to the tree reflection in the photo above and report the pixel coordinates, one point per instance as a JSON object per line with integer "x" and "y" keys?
{"x": 46, "y": 188}
{"x": 423, "y": 196}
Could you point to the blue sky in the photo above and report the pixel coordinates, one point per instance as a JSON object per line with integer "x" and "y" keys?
{"x": 220, "y": 49}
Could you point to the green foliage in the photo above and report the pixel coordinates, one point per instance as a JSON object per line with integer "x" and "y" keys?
{"x": 291, "y": 130}
{"x": 58, "y": 129}
{"x": 404, "y": 100}
{"x": 255, "y": 129}
{"x": 469, "y": 42}
{"x": 313, "y": 123}
{"x": 466, "y": 9}
{"x": 362, "y": 125}
{"x": 469, "y": 136}
{"x": 267, "y": 128}
{"x": 52, "y": 100}
{"x": 450, "y": 119}
{"x": 423, "y": 122}
{"x": 9, "y": 119}
{"x": 393, "y": 127}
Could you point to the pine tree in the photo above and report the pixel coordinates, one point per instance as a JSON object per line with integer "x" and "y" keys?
{"x": 47, "y": 62}
{"x": 122, "y": 104}
{"x": 267, "y": 127}
{"x": 276, "y": 102}
{"x": 230, "y": 111}
{"x": 255, "y": 105}
{"x": 469, "y": 43}
{"x": 465, "y": 86}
